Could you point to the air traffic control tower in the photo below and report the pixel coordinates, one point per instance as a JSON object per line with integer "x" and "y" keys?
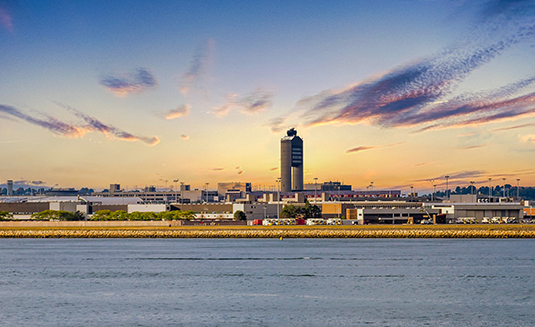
{"x": 291, "y": 162}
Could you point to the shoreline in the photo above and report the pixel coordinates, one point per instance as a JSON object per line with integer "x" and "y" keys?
{"x": 396, "y": 231}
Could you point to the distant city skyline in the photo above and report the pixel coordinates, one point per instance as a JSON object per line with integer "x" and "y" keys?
{"x": 395, "y": 93}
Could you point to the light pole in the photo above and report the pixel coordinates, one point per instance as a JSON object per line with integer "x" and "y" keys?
{"x": 181, "y": 193}
{"x": 434, "y": 189}
{"x": 503, "y": 187}
{"x": 265, "y": 212}
{"x": 412, "y": 192}
{"x": 315, "y": 189}
{"x": 472, "y": 187}
{"x": 176, "y": 189}
{"x": 517, "y": 189}
{"x": 490, "y": 191}
{"x": 432, "y": 194}
{"x": 278, "y": 196}
{"x": 206, "y": 191}
{"x": 371, "y": 185}
{"x": 447, "y": 187}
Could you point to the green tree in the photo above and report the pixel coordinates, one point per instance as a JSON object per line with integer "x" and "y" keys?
{"x": 289, "y": 211}
{"x": 4, "y": 216}
{"x": 119, "y": 215}
{"x": 185, "y": 215}
{"x": 101, "y": 215}
{"x": 240, "y": 215}
{"x": 54, "y": 215}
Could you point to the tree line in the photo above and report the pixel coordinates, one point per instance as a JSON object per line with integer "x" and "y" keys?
{"x": 104, "y": 215}
{"x": 107, "y": 215}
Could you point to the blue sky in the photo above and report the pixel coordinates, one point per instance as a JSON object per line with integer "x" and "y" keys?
{"x": 395, "y": 92}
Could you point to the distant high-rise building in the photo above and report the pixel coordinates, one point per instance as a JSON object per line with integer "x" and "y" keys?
{"x": 115, "y": 188}
{"x": 291, "y": 162}
{"x": 10, "y": 187}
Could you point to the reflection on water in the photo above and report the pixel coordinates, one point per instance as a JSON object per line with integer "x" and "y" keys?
{"x": 301, "y": 282}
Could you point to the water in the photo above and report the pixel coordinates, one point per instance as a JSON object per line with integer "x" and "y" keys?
{"x": 234, "y": 282}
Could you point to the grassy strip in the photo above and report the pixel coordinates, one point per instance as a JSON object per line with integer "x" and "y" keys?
{"x": 519, "y": 231}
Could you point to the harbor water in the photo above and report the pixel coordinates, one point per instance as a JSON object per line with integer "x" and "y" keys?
{"x": 267, "y": 282}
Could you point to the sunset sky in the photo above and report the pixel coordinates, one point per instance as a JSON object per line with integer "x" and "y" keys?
{"x": 142, "y": 92}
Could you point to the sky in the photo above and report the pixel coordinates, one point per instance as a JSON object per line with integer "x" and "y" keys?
{"x": 139, "y": 93}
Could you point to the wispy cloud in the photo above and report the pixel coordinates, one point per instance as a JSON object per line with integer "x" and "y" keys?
{"x": 512, "y": 127}
{"x": 420, "y": 93}
{"x": 178, "y": 112}
{"x": 184, "y": 136}
{"x": 253, "y": 102}
{"x": 455, "y": 176}
{"x": 276, "y": 124}
{"x": 218, "y": 169}
{"x": 198, "y": 66}
{"x": 274, "y": 168}
{"x": 467, "y": 134}
{"x": 240, "y": 172}
{"x": 421, "y": 164}
{"x": 94, "y": 124}
{"x": 6, "y": 20}
{"x": 473, "y": 147}
{"x": 88, "y": 124}
{"x": 54, "y": 125}
{"x": 360, "y": 148}
{"x": 139, "y": 81}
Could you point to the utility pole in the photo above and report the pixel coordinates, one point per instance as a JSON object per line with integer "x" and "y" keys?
{"x": 278, "y": 197}
{"x": 518, "y": 189}
{"x": 315, "y": 189}
{"x": 182, "y": 193}
{"x": 176, "y": 191}
{"x": 447, "y": 187}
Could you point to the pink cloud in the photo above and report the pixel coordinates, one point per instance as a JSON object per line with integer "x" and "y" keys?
{"x": 5, "y": 20}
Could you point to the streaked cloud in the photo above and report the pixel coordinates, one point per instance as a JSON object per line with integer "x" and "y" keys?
{"x": 274, "y": 168}
{"x": 256, "y": 101}
{"x": 6, "y": 21}
{"x": 178, "y": 112}
{"x": 420, "y": 93}
{"x": 139, "y": 81}
{"x": 467, "y": 134}
{"x": 455, "y": 176}
{"x": 225, "y": 109}
{"x": 218, "y": 169}
{"x": 94, "y": 124}
{"x": 473, "y": 147}
{"x": 276, "y": 124}
{"x": 421, "y": 164}
{"x": 512, "y": 127}
{"x": 253, "y": 102}
{"x": 197, "y": 68}
{"x": 88, "y": 124}
{"x": 55, "y": 126}
{"x": 360, "y": 148}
